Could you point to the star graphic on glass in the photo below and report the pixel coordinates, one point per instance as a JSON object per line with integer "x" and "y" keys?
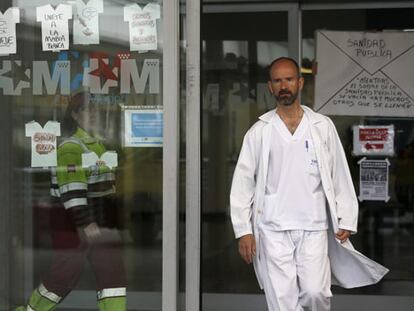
{"x": 104, "y": 72}
{"x": 18, "y": 74}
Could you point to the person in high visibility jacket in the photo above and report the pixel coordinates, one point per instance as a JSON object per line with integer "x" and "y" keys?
{"x": 84, "y": 216}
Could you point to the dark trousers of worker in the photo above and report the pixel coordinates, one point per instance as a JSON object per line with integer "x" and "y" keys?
{"x": 71, "y": 252}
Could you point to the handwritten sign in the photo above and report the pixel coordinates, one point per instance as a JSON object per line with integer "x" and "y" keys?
{"x": 142, "y": 26}
{"x": 8, "y": 22}
{"x": 43, "y": 141}
{"x": 86, "y": 21}
{"x": 55, "y": 28}
{"x": 364, "y": 73}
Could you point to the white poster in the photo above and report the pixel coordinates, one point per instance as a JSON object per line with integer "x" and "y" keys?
{"x": 109, "y": 159}
{"x": 373, "y": 140}
{"x": 365, "y": 73}
{"x": 55, "y": 28}
{"x": 43, "y": 141}
{"x": 8, "y": 21}
{"x": 373, "y": 180}
{"x": 142, "y": 26}
{"x": 86, "y": 21}
{"x": 143, "y": 128}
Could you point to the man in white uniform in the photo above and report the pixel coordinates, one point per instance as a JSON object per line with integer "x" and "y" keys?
{"x": 291, "y": 184}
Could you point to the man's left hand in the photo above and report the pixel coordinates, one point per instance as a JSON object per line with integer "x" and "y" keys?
{"x": 343, "y": 235}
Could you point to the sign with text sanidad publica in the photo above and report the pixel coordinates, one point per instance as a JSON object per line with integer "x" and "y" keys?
{"x": 364, "y": 73}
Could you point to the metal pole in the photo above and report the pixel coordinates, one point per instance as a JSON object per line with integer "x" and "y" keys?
{"x": 170, "y": 154}
{"x": 193, "y": 170}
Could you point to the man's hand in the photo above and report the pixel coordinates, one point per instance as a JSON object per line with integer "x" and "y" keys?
{"x": 343, "y": 235}
{"x": 247, "y": 248}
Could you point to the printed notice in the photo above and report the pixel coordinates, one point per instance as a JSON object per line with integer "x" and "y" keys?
{"x": 142, "y": 26}
{"x": 374, "y": 178}
{"x": 86, "y": 21}
{"x": 144, "y": 128}
{"x": 8, "y": 21}
{"x": 43, "y": 140}
{"x": 373, "y": 140}
{"x": 365, "y": 73}
{"x": 55, "y": 28}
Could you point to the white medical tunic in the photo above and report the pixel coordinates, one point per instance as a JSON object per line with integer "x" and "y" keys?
{"x": 294, "y": 197}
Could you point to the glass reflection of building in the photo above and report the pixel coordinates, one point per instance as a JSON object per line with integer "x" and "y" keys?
{"x": 238, "y": 39}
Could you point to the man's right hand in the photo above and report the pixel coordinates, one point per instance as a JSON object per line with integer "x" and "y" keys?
{"x": 247, "y": 248}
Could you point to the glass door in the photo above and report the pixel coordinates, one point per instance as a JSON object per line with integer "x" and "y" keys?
{"x": 82, "y": 123}
{"x": 238, "y": 43}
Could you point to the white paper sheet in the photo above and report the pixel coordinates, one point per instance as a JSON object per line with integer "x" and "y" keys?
{"x": 373, "y": 180}
{"x": 142, "y": 26}
{"x": 8, "y": 21}
{"x": 109, "y": 159}
{"x": 55, "y": 28}
{"x": 374, "y": 140}
{"x": 43, "y": 141}
{"x": 86, "y": 21}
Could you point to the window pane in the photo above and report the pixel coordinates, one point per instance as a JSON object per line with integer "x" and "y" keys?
{"x": 83, "y": 121}
{"x": 235, "y": 59}
{"x": 385, "y": 228}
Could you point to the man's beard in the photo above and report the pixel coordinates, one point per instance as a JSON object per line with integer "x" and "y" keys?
{"x": 286, "y": 100}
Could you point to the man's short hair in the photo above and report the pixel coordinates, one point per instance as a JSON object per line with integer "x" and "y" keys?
{"x": 284, "y": 58}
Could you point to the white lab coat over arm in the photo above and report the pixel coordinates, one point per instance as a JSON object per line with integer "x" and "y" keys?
{"x": 345, "y": 197}
{"x": 243, "y": 187}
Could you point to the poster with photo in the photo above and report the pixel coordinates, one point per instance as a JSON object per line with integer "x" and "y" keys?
{"x": 8, "y": 21}
{"x": 143, "y": 128}
{"x": 373, "y": 180}
{"x": 55, "y": 28}
{"x": 142, "y": 26}
{"x": 375, "y": 140}
{"x": 43, "y": 142}
{"x": 86, "y": 21}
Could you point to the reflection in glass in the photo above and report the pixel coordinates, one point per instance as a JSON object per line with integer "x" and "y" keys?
{"x": 84, "y": 213}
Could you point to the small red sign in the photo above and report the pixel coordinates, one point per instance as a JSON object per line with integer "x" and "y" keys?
{"x": 373, "y": 134}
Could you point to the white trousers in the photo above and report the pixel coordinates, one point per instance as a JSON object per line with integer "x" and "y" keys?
{"x": 296, "y": 270}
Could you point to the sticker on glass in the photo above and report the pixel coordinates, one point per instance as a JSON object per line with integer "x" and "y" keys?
{"x": 109, "y": 159}
{"x": 55, "y": 28}
{"x": 8, "y": 21}
{"x": 142, "y": 26}
{"x": 43, "y": 140}
{"x": 86, "y": 21}
{"x": 375, "y": 140}
{"x": 143, "y": 128}
{"x": 373, "y": 180}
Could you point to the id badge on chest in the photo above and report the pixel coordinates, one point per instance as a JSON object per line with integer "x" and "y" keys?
{"x": 312, "y": 162}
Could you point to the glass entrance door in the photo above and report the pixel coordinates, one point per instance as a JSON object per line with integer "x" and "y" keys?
{"x": 236, "y": 50}
{"x": 82, "y": 122}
